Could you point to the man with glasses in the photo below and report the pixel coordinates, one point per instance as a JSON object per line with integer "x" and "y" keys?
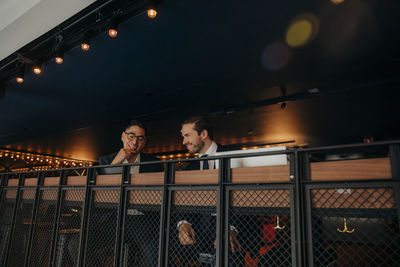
{"x": 134, "y": 140}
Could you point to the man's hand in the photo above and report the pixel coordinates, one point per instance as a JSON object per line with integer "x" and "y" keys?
{"x": 124, "y": 153}
{"x": 234, "y": 240}
{"x": 233, "y": 232}
{"x": 186, "y": 234}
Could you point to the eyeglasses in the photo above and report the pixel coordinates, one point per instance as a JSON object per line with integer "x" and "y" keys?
{"x": 132, "y": 136}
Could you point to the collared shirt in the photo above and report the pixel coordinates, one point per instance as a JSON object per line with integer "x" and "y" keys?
{"x": 134, "y": 169}
{"x": 210, "y": 152}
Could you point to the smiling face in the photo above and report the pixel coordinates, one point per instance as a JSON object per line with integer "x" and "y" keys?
{"x": 133, "y": 138}
{"x": 191, "y": 139}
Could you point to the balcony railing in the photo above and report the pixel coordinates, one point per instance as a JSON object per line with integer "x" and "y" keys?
{"x": 329, "y": 206}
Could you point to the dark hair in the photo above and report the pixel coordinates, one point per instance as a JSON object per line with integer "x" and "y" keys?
{"x": 200, "y": 124}
{"x": 136, "y": 123}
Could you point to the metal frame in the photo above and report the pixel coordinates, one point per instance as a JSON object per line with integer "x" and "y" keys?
{"x": 299, "y": 186}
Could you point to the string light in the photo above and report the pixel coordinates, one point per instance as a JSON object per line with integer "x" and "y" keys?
{"x": 59, "y": 57}
{"x": 37, "y": 69}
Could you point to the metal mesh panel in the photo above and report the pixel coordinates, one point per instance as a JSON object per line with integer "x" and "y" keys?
{"x": 260, "y": 228}
{"x": 67, "y": 239}
{"x": 43, "y": 231}
{"x": 6, "y": 213}
{"x": 192, "y": 228}
{"x": 103, "y": 214}
{"x": 142, "y": 228}
{"x": 23, "y": 221}
{"x": 355, "y": 227}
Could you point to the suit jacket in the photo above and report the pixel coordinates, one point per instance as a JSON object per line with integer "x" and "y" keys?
{"x": 195, "y": 165}
{"x": 106, "y": 160}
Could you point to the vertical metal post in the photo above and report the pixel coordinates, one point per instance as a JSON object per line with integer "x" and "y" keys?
{"x": 299, "y": 213}
{"x": 126, "y": 175}
{"x": 394, "y": 154}
{"x": 60, "y": 197}
{"x": 163, "y": 242}
{"x": 222, "y": 225}
{"x": 91, "y": 178}
{"x": 21, "y": 181}
{"x": 34, "y": 218}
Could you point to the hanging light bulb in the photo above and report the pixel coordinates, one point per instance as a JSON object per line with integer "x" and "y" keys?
{"x": 151, "y": 13}
{"x": 85, "y": 44}
{"x": 113, "y": 30}
{"x": 37, "y": 69}
{"x": 21, "y": 73}
{"x": 59, "y": 57}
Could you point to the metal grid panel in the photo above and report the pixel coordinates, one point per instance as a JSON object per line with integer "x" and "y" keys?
{"x": 6, "y": 213}
{"x": 142, "y": 228}
{"x": 23, "y": 221}
{"x": 260, "y": 228}
{"x": 43, "y": 230}
{"x": 192, "y": 228}
{"x": 103, "y": 216}
{"x": 355, "y": 227}
{"x": 68, "y": 235}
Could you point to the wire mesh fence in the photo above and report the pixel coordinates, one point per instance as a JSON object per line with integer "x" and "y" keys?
{"x": 260, "y": 230}
{"x": 23, "y": 221}
{"x": 142, "y": 228}
{"x": 69, "y": 228}
{"x": 43, "y": 229}
{"x": 9, "y": 198}
{"x": 102, "y": 228}
{"x": 192, "y": 228}
{"x": 80, "y": 222}
{"x": 355, "y": 227}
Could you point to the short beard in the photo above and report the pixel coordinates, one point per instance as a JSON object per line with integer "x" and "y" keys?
{"x": 197, "y": 147}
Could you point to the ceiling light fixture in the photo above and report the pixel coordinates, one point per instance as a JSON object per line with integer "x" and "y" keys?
{"x": 37, "y": 69}
{"x": 21, "y": 73}
{"x": 85, "y": 45}
{"x": 59, "y": 57}
{"x": 151, "y": 13}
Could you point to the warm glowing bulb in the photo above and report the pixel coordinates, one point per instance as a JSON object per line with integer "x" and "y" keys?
{"x": 20, "y": 80}
{"x": 85, "y": 46}
{"x": 37, "y": 70}
{"x": 152, "y": 13}
{"x": 59, "y": 60}
{"x": 112, "y": 33}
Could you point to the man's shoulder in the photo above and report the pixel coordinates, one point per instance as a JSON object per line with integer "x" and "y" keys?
{"x": 107, "y": 159}
{"x": 146, "y": 157}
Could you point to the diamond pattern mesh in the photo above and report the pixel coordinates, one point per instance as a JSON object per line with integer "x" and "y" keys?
{"x": 23, "y": 221}
{"x": 43, "y": 230}
{"x": 100, "y": 247}
{"x": 6, "y": 213}
{"x": 67, "y": 239}
{"x": 142, "y": 223}
{"x": 260, "y": 235}
{"x": 355, "y": 227}
{"x": 192, "y": 228}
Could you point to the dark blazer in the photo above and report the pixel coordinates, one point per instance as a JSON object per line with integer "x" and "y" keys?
{"x": 195, "y": 165}
{"x": 106, "y": 160}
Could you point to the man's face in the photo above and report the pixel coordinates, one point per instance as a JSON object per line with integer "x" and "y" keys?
{"x": 191, "y": 139}
{"x": 134, "y": 138}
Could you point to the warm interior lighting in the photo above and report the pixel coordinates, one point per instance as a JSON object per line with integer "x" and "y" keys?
{"x": 85, "y": 46}
{"x": 152, "y": 13}
{"x": 37, "y": 70}
{"x": 112, "y": 33}
{"x": 337, "y": 1}
{"x": 20, "y": 76}
{"x": 20, "y": 80}
{"x": 59, "y": 60}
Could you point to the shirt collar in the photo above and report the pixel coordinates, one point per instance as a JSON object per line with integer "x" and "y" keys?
{"x": 211, "y": 150}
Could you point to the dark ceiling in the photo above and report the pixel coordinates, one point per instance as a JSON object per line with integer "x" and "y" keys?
{"x": 226, "y": 59}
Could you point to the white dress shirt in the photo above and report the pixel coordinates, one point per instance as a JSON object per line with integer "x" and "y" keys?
{"x": 210, "y": 152}
{"x": 134, "y": 169}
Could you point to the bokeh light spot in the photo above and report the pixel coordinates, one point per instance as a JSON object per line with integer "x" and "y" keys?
{"x": 275, "y": 56}
{"x": 336, "y": 2}
{"x": 302, "y": 30}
